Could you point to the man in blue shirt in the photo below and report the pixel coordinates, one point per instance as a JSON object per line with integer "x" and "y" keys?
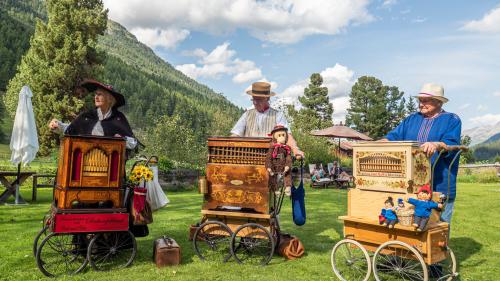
{"x": 435, "y": 129}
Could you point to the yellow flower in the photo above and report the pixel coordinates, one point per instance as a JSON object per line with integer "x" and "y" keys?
{"x": 148, "y": 176}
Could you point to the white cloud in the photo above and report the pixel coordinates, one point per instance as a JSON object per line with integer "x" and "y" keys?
{"x": 486, "y": 119}
{"x": 155, "y": 37}
{"x": 490, "y": 23}
{"x": 388, "y": 3}
{"x": 481, "y": 107}
{"x": 220, "y": 61}
{"x": 274, "y": 21}
{"x": 338, "y": 79}
{"x": 419, "y": 20}
{"x": 464, "y": 106}
{"x": 496, "y": 94}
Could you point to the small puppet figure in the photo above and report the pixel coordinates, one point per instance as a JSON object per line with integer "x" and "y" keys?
{"x": 279, "y": 160}
{"x": 388, "y": 214}
{"x": 401, "y": 204}
{"x": 423, "y": 207}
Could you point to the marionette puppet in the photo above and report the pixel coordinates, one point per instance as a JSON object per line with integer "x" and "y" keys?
{"x": 423, "y": 207}
{"x": 388, "y": 214}
{"x": 279, "y": 160}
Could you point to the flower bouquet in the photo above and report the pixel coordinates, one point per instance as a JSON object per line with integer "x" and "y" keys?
{"x": 141, "y": 210}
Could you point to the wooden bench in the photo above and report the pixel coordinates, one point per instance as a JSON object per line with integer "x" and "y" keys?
{"x": 50, "y": 183}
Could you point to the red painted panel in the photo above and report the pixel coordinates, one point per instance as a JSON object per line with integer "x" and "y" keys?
{"x": 66, "y": 223}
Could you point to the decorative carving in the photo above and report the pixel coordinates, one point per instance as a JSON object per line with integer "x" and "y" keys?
{"x": 219, "y": 177}
{"x": 255, "y": 177}
{"x": 422, "y": 168}
{"x": 237, "y": 196}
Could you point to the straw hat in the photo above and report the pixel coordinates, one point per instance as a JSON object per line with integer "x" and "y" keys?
{"x": 431, "y": 90}
{"x": 261, "y": 89}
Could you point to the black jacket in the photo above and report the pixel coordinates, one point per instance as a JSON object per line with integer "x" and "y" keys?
{"x": 115, "y": 124}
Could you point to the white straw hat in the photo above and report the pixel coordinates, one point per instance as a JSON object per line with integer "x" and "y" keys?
{"x": 431, "y": 90}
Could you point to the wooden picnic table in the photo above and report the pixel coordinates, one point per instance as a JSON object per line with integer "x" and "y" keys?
{"x": 10, "y": 187}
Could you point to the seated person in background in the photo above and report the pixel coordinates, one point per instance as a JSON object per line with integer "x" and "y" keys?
{"x": 315, "y": 174}
{"x": 103, "y": 120}
{"x": 335, "y": 171}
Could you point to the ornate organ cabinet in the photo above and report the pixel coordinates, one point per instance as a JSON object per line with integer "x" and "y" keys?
{"x": 382, "y": 169}
{"x": 90, "y": 171}
{"x": 236, "y": 174}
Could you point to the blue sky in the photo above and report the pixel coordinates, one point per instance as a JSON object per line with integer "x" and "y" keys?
{"x": 228, "y": 44}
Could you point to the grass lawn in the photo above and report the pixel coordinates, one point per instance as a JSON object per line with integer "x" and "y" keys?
{"x": 475, "y": 240}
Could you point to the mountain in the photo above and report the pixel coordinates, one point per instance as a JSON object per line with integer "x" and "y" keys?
{"x": 152, "y": 87}
{"x": 482, "y": 133}
{"x": 494, "y": 138}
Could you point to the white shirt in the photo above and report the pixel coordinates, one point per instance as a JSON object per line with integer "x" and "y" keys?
{"x": 239, "y": 127}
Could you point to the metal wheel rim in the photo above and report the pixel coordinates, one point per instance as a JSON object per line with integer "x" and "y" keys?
{"x": 42, "y": 232}
{"x": 349, "y": 259}
{"x": 217, "y": 241}
{"x": 451, "y": 268}
{"x": 60, "y": 256}
{"x": 112, "y": 250}
{"x": 403, "y": 265}
{"x": 249, "y": 245}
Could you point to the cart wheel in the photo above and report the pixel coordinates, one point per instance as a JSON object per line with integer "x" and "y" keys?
{"x": 40, "y": 236}
{"x": 252, "y": 244}
{"x": 61, "y": 253}
{"x": 396, "y": 260}
{"x": 447, "y": 268}
{"x": 112, "y": 250}
{"x": 211, "y": 241}
{"x": 350, "y": 261}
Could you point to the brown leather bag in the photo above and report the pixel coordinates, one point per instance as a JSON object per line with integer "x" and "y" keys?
{"x": 290, "y": 247}
{"x": 166, "y": 252}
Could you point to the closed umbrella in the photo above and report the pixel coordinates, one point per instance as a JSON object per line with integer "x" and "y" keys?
{"x": 24, "y": 139}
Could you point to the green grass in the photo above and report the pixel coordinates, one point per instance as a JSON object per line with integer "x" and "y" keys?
{"x": 475, "y": 240}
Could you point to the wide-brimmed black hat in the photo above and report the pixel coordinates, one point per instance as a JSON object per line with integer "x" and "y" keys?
{"x": 92, "y": 85}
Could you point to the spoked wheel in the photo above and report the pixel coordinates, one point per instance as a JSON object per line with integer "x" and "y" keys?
{"x": 350, "y": 261}
{"x": 445, "y": 270}
{"x": 41, "y": 234}
{"x": 396, "y": 260}
{"x": 112, "y": 250}
{"x": 61, "y": 253}
{"x": 211, "y": 241}
{"x": 252, "y": 244}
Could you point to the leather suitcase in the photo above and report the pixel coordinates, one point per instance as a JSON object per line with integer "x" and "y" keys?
{"x": 166, "y": 252}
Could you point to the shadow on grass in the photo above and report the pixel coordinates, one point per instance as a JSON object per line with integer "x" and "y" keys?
{"x": 464, "y": 248}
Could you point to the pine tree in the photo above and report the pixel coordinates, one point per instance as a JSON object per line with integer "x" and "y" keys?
{"x": 374, "y": 109}
{"x": 62, "y": 54}
{"x": 317, "y": 109}
{"x": 411, "y": 106}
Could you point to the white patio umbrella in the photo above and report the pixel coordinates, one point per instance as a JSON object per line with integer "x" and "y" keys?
{"x": 24, "y": 139}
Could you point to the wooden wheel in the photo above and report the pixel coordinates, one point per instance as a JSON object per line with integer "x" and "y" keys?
{"x": 61, "y": 253}
{"x": 350, "y": 261}
{"x": 41, "y": 234}
{"x": 252, "y": 244}
{"x": 396, "y": 260}
{"x": 112, "y": 250}
{"x": 211, "y": 241}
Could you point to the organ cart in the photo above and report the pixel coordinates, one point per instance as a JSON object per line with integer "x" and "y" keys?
{"x": 239, "y": 213}
{"x": 396, "y": 169}
{"x": 89, "y": 219}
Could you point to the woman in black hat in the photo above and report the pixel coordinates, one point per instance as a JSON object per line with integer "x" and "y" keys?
{"x": 104, "y": 120}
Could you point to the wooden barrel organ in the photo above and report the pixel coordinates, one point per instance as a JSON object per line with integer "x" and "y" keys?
{"x": 90, "y": 172}
{"x": 236, "y": 174}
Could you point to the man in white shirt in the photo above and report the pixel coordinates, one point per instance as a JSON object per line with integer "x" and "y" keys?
{"x": 260, "y": 120}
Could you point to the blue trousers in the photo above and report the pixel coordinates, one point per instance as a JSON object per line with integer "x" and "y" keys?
{"x": 448, "y": 211}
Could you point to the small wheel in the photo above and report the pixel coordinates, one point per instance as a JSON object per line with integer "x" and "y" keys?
{"x": 61, "y": 253}
{"x": 396, "y": 260}
{"x": 40, "y": 236}
{"x": 252, "y": 244}
{"x": 445, "y": 270}
{"x": 112, "y": 250}
{"x": 211, "y": 241}
{"x": 350, "y": 261}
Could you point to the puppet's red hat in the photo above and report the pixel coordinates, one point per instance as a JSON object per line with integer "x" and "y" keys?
{"x": 425, "y": 187}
